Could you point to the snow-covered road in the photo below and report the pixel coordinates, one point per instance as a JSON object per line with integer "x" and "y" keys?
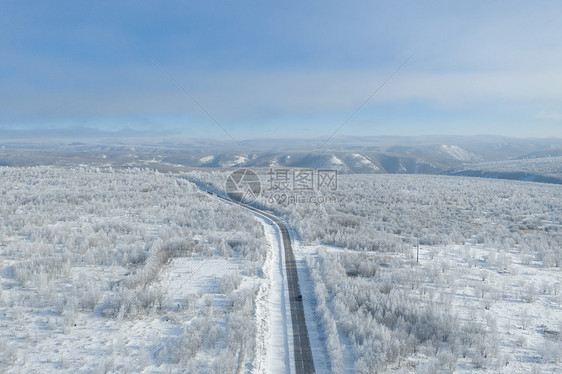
{"x": 276, "y": 339}
{"x": 282, "y": 346}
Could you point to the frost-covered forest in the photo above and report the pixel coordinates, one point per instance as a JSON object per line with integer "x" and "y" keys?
{"x": 482, "y": 295}
{"x": 487, "y": 247}
{"x": 131, "y": 270}
{"x": 108, "y": 270}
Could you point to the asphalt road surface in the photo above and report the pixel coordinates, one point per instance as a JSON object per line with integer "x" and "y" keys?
{"x": 304, "y": 363}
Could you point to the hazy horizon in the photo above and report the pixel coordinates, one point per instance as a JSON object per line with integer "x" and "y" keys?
{"x": 128, "y": 136}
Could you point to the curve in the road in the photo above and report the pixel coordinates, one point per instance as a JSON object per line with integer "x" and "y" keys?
{"x": 304, "y": 364}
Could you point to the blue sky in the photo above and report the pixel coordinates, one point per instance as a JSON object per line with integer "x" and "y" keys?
{"x": 281, "y": 69}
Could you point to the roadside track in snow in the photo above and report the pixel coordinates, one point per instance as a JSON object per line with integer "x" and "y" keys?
{"x": 304, "y": 363}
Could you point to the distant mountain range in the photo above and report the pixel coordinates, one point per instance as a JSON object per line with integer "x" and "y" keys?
{"x": 536, "y": 169}
{"x": 486, "y": 156}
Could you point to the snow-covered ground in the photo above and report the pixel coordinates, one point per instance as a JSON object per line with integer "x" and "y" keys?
{"x": 207, "y": 159}
{"x": 279, "y": 340}
{"x": 277, "y": 323}
{"x": 458, "y": 153}
{"x": 485, "y": 296}
{"x": 361, "y": 160}
{"x": 125, "y": 271}
{"x": 314, "y": 324}
{"x": 274, "y": 337}
{"x": 137, "y": 271}
{"x": 514, "y": 299}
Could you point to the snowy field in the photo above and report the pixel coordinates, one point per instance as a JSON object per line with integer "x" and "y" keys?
{"x": 127, "y": 271}
{"x": 133, "y": 270}
{"x": 485, "y": 295}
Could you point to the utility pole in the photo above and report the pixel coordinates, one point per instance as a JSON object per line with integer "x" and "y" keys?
{"x": 418, "y": 253}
